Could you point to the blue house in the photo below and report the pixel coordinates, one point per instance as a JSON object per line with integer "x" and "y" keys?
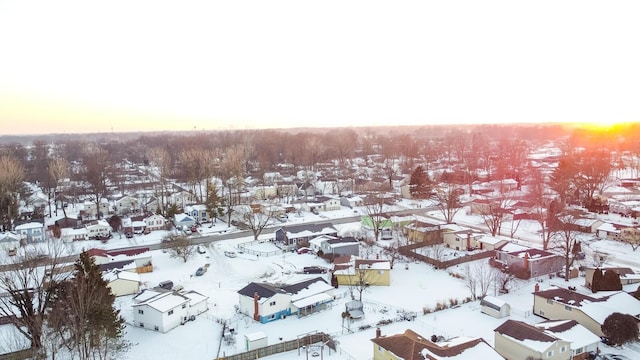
{"x": 183, "y": 221}
{"x": 31, "y": 232}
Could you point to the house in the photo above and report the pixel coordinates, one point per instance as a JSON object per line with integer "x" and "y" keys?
{"x": 137, "y": 260}
{"x": 328, "y": 203}
{"x": 351, "y": 201}
{"x": 351, "y": 270}
{"x": 164, "y": 310}
{"x": 583, "y": 341}
{"x": 335, "y": 246}
{"x": 31, "y": 232}
{"x": 122, "y": 282}
{"x": 424, "y": 230}
{"x": 588, "y": 311}
{"x": 38, "y": 200}
{"x": 198, "y": 212}
{"x": 265, "y": 192}
{"x": 91, "y": 210}
{"x": 465, "y": 239}
{"x": 98, "y": 228}
{"x": 183, "y": 221}
{"x": 412, "y": 346}
{"x": 536, "y": 262}
{"x": 518, "y": 340}
{"x": 266, "y": 302}
{"x": 495, "y": 307}
{"x": 608, "y": 231}
{"x": 481, "y": 206}
{"x": 155, "y": 222}
{"x": 74, "y": 234}
{"x": 9, "y": 242}
{"x": 182, "y": 199}
{"x": 291, "y": 235}
{"x": 126, "y": 205}
{"x": 630, "y": 235}
{"x": 627, "y": 275}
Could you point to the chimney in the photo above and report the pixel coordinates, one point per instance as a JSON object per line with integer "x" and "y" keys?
{"x": 526, "y": 260}
{"x": 537, "y": 287}
{"x": 468, "y": 240}
{"x": 378, "y": 332}
{"x": 256, "y": 314}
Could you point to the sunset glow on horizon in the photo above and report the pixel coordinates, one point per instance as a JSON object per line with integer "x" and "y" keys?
{"x": 77, "y": 67}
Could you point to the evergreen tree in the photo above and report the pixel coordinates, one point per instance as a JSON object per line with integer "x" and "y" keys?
{"x": 214, "y": 202}
{"x": 420, "y": 184}
{"x": 610, "y": 281}
{"x": 82, "y": 314}
{"x": 620, "y": 328}
{"x": 596, "y": 280}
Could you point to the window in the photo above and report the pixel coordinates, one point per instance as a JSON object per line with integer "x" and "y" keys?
{"x": 140, "y": 311}
{"x": 184, "y": 306}
{"x": 380, "y": 272}
{"x": 541, "y": 312}
{"x": 273, "y": 303}
{"x": 567, "y": 307}
{"x": 549, "y": 353}
{"x": 549, "y": 301}
{"x": 170, "y": 312}
{"x": 563, "y": 349}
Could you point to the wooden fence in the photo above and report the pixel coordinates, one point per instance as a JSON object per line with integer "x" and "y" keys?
{"x": 409, "y": 252}
{"x": 306, "y": 341}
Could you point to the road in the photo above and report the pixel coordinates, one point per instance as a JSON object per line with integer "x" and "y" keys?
{"x": 232, "y": 235}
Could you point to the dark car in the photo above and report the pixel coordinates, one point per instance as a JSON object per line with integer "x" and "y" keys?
{"x": 200, "y": 271}
{"x": 314, "y": 270}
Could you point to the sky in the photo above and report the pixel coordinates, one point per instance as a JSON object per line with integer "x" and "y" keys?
{"x": 77, "y": 66}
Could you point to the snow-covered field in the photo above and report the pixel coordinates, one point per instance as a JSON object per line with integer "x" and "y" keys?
{"x": 414, "y": 286}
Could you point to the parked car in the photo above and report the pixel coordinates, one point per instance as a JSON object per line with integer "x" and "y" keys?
{"x": 200, "y": 271}
{"x": 230, "y": 254}
{"x": 194, "y": 229}
{"x": 303, "y": 250}
{"x": 314, "y": 270}
{"x": 201, "y": 249}
{"x": 167, "y": 284}
{"x": 282, "y": 218}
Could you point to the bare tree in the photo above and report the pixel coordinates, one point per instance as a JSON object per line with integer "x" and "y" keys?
{"x": 448, "y": 197}
{"x": 478, "y": 277}
{"x": 374, "y": 207}
{"x": 255, "y": 221}
{"x": 392, "y": 251}
{"x": 59, "y": 169}
{"x": 178, "y": 246}
{"x": 565, "y": 242}
{"x": 28, "y": 287}
{"x": 233, "y": 166}
{"x": 11, "y": 175}
{"x": 501, "y": 280}
{"x": 495, "y": 214}
{"x": 97, "y": 170}
{"x": 537, "y": 195}
{"x": 161, "y": 158}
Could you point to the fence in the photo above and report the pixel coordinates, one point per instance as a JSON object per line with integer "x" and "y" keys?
{"x": 408, "y": 251}
{"x": 17, "y": 355}
{"x": 243, "y": 247}
{"x": 305, "y": 341}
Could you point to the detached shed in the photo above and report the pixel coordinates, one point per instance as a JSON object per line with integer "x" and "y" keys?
{"x": 495, "y": 307}
{"x": 255, "y": 340}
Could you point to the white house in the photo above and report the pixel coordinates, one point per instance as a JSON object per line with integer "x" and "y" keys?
{"x": 165, "y": 310}
{"x": 71, "y": 234}
{"x": 155, "y": 222}
{"x": 98, "y": 228}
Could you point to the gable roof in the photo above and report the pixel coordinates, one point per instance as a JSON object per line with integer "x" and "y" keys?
{"x": 523, "y": 331}
{"x": 266, "y": 290}
{"x": 411, "y": 346}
